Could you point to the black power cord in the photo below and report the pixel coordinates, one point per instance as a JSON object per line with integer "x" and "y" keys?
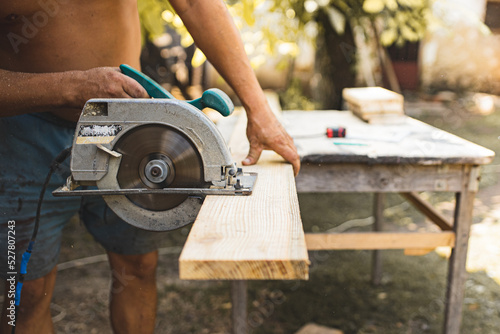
{"x": 27, "y": 254}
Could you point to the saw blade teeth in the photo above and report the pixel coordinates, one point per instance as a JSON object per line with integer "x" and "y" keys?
{"x": 147, "y": 143}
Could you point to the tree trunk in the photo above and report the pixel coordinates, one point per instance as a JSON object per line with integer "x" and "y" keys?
{"x": 335, "y": 63}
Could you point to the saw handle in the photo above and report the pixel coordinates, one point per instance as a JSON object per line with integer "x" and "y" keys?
{"x": 152, "y": 87}
{"x": 212, "y": 98}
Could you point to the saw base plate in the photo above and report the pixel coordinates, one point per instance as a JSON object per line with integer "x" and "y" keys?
{"x": 247, "y": 182}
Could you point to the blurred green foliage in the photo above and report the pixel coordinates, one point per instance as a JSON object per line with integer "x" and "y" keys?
{"x": 274, "y": 27}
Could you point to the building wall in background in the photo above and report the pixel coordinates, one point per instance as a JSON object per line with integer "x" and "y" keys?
{"x": 464, "y": 55}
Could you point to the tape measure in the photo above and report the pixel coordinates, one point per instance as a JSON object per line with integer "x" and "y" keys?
{"x": 339, "y": 132}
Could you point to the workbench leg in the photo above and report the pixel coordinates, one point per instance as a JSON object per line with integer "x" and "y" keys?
{"x": 378, "y": 215}
{"x": 457, "y": 273}
{"x": 239, "y": 306}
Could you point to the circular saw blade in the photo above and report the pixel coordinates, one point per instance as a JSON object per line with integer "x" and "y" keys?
{"x": 148, "y": 142}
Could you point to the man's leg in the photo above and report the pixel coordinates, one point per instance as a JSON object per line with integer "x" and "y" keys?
{"x": 34, "y": 312}
{"x": 133, "y": 292}
{"x": 29, "y": 144}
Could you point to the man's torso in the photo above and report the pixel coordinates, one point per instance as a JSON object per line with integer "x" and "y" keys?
{"x": 40, "y": 36}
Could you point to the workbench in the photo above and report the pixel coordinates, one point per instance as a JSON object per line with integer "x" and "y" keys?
{"x": 261, "y": 236}
{"x": 407, "y": 157}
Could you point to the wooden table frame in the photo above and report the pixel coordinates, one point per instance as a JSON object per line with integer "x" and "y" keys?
{"x": 405, "y": 166}
{"x": 460, "y": 179}
{"x": 406, "y": 158}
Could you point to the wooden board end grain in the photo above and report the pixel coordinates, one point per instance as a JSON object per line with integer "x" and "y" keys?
{"x": 249, "y": 237}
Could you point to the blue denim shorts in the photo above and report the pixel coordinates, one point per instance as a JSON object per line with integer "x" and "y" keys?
{"x": 28, "y": 145}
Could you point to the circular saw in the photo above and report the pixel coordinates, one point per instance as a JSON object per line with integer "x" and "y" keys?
{"x": 153, "y": 160}
{"x": 158, "y": 156}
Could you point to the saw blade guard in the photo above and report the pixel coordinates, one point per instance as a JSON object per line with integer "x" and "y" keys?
{"x": 104, "y": 121}
{"x": 109, "y": 128}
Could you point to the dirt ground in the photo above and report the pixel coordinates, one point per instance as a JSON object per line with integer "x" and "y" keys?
{"x": 339, "y": 293}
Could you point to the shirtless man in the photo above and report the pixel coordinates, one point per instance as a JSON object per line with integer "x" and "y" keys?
{"x": 54, "y": 56}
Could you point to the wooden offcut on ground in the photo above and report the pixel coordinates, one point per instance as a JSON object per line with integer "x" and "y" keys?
{"x": 312, "y": 328}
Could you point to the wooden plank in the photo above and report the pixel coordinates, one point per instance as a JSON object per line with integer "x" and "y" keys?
{"x": 424, "y": 207}
{"x": 378, "y": 215}
{"x": 456, "y": 268}
{"x": 367, "y": 101}
{"x": 379, "y": 240}
{"x": 357, "y": 177}
{"x": 249, "y": 237}
{"x": 239, "y": 299}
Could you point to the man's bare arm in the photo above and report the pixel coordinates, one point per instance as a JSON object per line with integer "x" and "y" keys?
{"x": 22, "y": 93}
{"x": 215, "y": 34}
